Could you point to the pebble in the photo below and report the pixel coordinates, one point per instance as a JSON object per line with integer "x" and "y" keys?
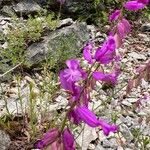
{"x": 4, "y": 140}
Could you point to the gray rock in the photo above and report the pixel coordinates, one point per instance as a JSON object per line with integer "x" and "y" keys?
{"x": 111, "y": 143}
{"x": 8, "y": 10}
{"x": 65, "y": 22}
{"x": 137, "y": 56}
{"x": 144, "y": 37}
{"x": 59, "y": 45}
{"x": 27, "y": 7}
{"x": 126, "y": 132}
{"x": 4, "y": 140}
{"x": 148, "y": 52}
{"x": 145, "y": 27}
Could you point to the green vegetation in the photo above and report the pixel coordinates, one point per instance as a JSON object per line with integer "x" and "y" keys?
{"x": 22, "y": 33}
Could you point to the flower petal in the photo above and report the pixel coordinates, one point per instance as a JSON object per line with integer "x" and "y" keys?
{"x": 106, "y": 53}
{"x": 72, "y": 63}
{"x": 87, "y": 53}
{"x": 115, "y": 15}
{"x": 87, "y": 116}
{"x": 134, "y": 5}
{"x": 107, "y": 128}
{"x": 49, "y": 137}
{"x": 68, "y": 140}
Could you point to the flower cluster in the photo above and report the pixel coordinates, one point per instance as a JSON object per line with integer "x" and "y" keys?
{"x": 78, "y": 83}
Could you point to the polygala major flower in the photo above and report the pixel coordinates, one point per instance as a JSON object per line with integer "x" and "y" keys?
{"x": 49, "y": 137}
{"x": 87, "y": 53}
{"x": 136, "y": 4}
{"x": 73, "y": 73}
{"x": 144, "y": 1}
{"x": 123, "y": 28}
{"x": 106, "y": 53}
{"x": 87, "y": 116}
{"x": 90, "y": 118}
{"x": 68, "y": 140}
{"x": 115, "y": 15}
{"x": 108, "y": 78}
{"x": 107, "y": 128}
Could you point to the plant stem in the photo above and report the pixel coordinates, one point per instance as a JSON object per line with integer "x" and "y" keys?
{"x": 74, "y": 103}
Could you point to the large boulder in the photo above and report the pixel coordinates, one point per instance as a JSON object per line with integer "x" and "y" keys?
{"x": 59, "y": 45}
{"x": 26, "y": 7}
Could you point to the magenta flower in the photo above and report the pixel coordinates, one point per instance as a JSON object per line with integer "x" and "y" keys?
{"x": 123, "y": 28}
{"x": 68, "y": 140}
{"x": 115, "y": 15}
{"x": 107, "y": 128}
{"x": 67, "y": 85}
{"x": 74, "y": 117}
{"x": 106, "y": 53}
{"x": 118, "y": 40}
{"x": 90, "y": 118}
{"x": 49, "y": 137}
{"x": 135, "y": 5}
{"x": 73, "y": 73}
{"x": 109, "y": 78}
{"x": 87, "y": 116}
{"x": 143, "y": 1}
{"x": 87, "y": 53}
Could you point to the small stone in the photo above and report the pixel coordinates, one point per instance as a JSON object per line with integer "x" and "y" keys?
{"x": 149, "y": 52}
{"x": 99, "y": 147}
{"x": 126, "y": 103}
{"x": 91, "y": 146}
{"x": 137, "y": 56}
{"x": 111, "y": 143}
{"x": 132, "y": 100}
{"x": 144, "y": 84}
{"x": 145, "y": 27}
{"x": 4, "y": 140}
{"x": 65, "y": 22}
{"x": 126, "y": 132}
{"x": 29, "y": 80}
{"x": 120, "y": 148}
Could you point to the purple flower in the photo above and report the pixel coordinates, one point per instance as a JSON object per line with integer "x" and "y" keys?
{"x": 87, "y": 53}
{"x": 115, "y": 15}
{"x": 106, "y": 53}
{"x": 49, "y": 137}
{"x": 73, "y": 73}
{"x": 134, "y": 5}
{"x": 68, "y": 140}
{"x": 74, "y": 117}
{"x": 71, "y": 87}
{"x": 87, "y": 116}
{"x": 143, "y": 1}
{"x": 123, "y": 28}
{"x": 109, "y": 77}
{"x": 107, "y": 128}
{"x": 90, "y": 118}
{"x": 67, "y": 85}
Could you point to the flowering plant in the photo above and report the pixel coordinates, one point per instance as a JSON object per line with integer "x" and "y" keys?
{"x": 79, "y": 82}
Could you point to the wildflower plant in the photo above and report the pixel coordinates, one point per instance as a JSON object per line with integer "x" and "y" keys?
{"x": 78, "y": 82}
